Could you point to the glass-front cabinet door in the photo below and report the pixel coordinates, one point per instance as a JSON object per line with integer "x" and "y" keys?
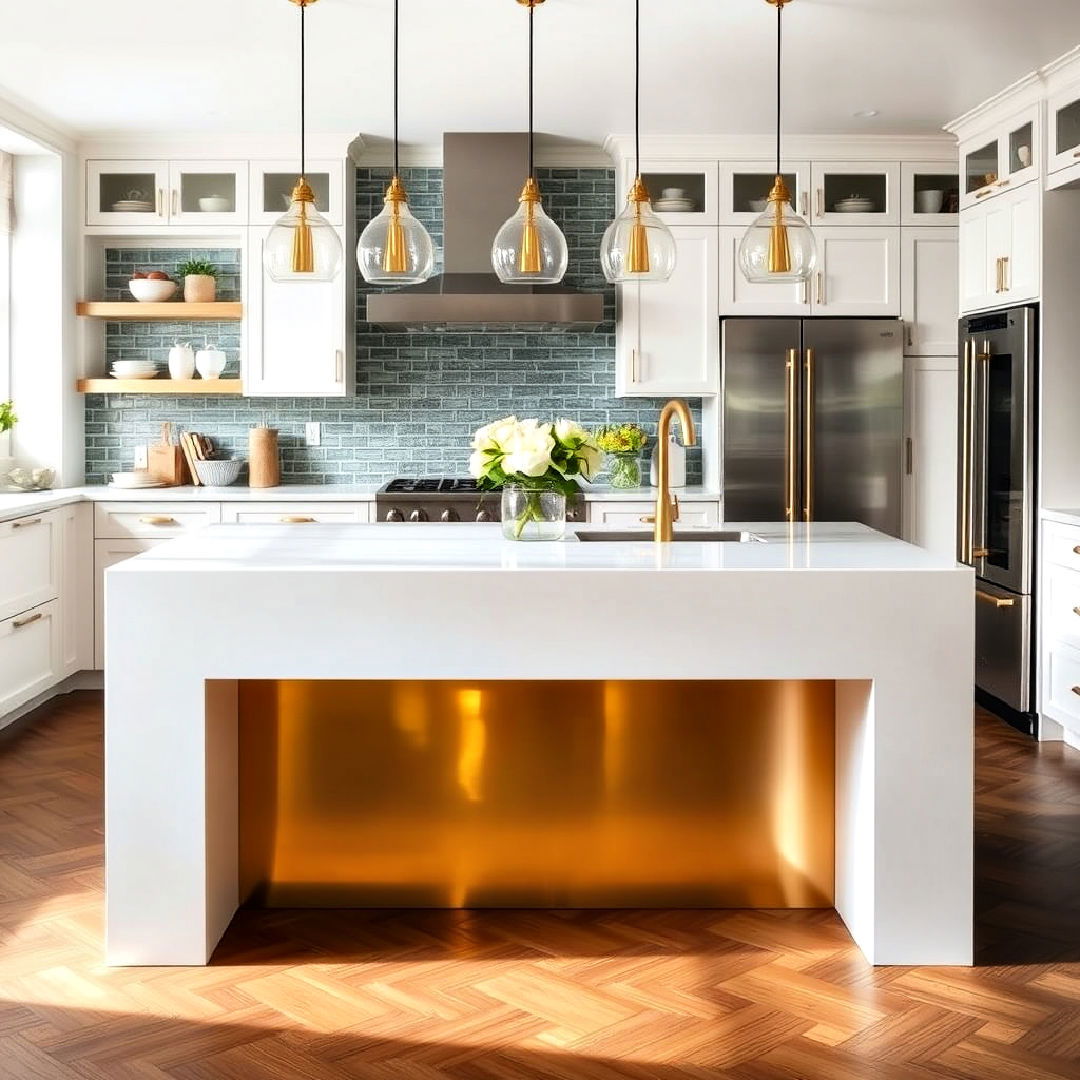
{"x": 208, "y": 193}
{"x": 856, "y": 193}
{"x": 981, "y": 164}
{"x": 1064, "y": 116}
{"x": 271, "y": 184}
{"x": 745, "y": 187}
{"x": 682, "y": 192}
{"x": 929, "y": 193}
{"x": 1020, "y": 154}
{"x": 1009, "y": 158}
{"x": 127, "y": 192}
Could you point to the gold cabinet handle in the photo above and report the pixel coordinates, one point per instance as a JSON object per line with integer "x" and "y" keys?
{"x": 997, "y": 275}
{"x": 1005, "y": 275}
{"x": 1076, "y": 550}
{"x": 821, "y": 202}
{"x": 980, "y": 553}
{"x": 791, "y": 464}
{"x": 157, "y": 519}
{"x": 984, "y": 192}
{"x": 25, "y": 524}
{"x": 633, "y": 366}
{"x": 1076, "y": 610}
{"x": 1076, "y": 690}
{"x": 175, "y": 202}
{"x": 1003, "y": 183}
{"x": 997, "y": 601}
{"x": 296, "y": 519}
{"x": 18, "y": 624}
{"x": 674, "y": 507}
{"x": 1076, "y": 153}
{"x": 821, "y": 287}
{"x": 808, "y": 434}
{"x": 339, "y": 365}
{"x": 157, "y": 205}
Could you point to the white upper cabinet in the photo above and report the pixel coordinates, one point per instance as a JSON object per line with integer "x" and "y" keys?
{"x": 1063, "y": 136}
{"x": 208, "y": 193}
{"x": 682, "y": 192}
{"x": 745, "y": 187}
{"x": 856, "y": 193}
{"x": 858, "y": 272}
{"x": 1003, "y": 158}
{"x": 741, "y": 297}
{"x": 1000, "y": 251}
{"x": 929, "y": 291}
{"x": 298, "y": 333}
{"x": 127, "y": 192}
{"x": 272, "y": 183}
{"x": 669, "y": 332}
{"x": 929, "y": 194}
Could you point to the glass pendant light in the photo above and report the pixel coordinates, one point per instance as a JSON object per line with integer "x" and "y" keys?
{"x": 779, "y": 247}
{"x": 302, "y": 245}
{"x": 637, "y": 245}
{"x": 529, "y": 248}
{"x": 394, "y": 248}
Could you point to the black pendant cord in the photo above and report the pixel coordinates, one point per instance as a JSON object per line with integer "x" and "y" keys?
{"x": 779, "y": 56}
{"x": 532, "y": 170}
{"x": 303, "y": 102}
{"x": 395, "y": 87}
{"x": 637, "y": 87}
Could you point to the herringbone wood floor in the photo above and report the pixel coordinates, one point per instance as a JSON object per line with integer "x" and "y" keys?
{"x": 648, "y": 995}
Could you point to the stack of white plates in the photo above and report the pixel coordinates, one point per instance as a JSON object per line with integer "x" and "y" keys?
{"x": 139, "y": 478}
{"x": 133, "y": 206}
{"x": 855, "y": 204}
{"x": 674, "y": 206}
{"x": 133, "y": 369}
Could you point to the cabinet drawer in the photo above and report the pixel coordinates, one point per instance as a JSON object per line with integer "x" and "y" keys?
{"x": 118, "y": 521}
{"x": 29, "y": 655}
{"x": 108, "y": 553}
{"x": 1061, "y": 605}
{"x": 29, "y": 562}
{"x": 282, "y": 513}
{"x": 1061, "y": 677}
{"x": 629, "y": 514}
{"x": 1061, "y": 545}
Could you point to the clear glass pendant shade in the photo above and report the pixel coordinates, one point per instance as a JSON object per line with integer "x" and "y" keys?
{"x": 302, "y": 245}
{"x": 395, "y": 248}
{"x": 637, "y": 245}
{"x": 530, "y": 248}
{"x": 779, "y": 247}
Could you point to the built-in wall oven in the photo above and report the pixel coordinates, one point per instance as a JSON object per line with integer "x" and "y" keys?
{"x": 996, "y": 526}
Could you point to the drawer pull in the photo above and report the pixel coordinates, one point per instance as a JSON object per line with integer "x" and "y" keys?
{"x": 1076, "y": 550}
{"x": 25, "y": 524}
{"x": 1076, "y": 610}
{"x": 980, "y": 553}
{"x": 18, "y": 624}
{"x": 990, "y": 598}
{"x": 157, "y": 519}
{"x": 1076, "y": 690}
{"x": 296, "y": 519}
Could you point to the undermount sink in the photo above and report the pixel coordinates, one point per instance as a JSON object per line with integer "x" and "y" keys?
{"x": 701, "y": 536}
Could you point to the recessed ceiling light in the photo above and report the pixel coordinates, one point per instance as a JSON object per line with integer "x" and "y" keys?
{"x": 865, "y": 114}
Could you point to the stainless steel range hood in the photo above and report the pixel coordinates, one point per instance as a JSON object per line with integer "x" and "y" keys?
{"x": 482, "y": 178}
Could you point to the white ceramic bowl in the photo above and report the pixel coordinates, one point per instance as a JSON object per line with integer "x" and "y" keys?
{"x": 220, "y": 472}
{"x": 213, "y": 204}
{"x": 151, "y": 290}
{"x": 759, "y": 206}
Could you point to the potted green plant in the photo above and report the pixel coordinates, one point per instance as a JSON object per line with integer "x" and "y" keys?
{"x": 200, "y": 280}
{"x": 8, "y": 420}
{"x": 623, "y": 444}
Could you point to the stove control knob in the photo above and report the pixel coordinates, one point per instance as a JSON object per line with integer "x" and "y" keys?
{"x": 448, "y": 515}
{"x": 483, "y": 515}
{"x": 418, "y": 515}
{"x": 394, "y": 514}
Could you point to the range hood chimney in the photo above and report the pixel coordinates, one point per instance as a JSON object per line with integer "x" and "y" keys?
{"x": 482, "y": 176}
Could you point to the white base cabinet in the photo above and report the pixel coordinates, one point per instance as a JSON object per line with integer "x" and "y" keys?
{"x": 30, "y": 662}
{"x": 629, "y": 514}
{"x": 1059, "y": 627}
{"x": 280, "y": 513}
{"x": 30, "y": 562}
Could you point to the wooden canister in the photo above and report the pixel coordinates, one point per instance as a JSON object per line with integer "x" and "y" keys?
{"x": 264, "y": 468}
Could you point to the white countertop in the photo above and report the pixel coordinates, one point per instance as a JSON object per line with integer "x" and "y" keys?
{"x": 433, "y": 547}
{"x": 16, "y": 504}
{"x": 1065, "y": 517}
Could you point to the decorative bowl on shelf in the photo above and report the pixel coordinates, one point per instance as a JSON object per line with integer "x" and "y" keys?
{"x": 759, "y": 205}
{"x": 31, "y": 479}
{"x": 214, "y": 204}
{"x": 218, "y": 472}
{"x": 151, "y": 290}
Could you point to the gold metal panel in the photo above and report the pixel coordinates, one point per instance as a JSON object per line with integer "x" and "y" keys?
{"x": 537, "y": 793}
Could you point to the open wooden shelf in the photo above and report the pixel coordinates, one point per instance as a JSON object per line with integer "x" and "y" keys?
{"x": 160, "y": 386}
{"x": 172, "y": 310}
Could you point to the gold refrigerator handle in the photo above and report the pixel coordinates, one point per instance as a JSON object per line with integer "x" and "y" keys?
{"x": 808, "y": 438}
{"x": 964, "y": 552}
{"x": 791, "y": 462}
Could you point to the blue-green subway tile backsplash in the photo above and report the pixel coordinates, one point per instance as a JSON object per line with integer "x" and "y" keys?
{"x": 418, "y": 396}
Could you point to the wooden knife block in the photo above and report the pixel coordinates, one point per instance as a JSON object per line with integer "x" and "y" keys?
{"x": 166, "y": 463}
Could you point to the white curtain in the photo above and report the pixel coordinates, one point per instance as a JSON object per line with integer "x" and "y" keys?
{"x": 7, "y": 192}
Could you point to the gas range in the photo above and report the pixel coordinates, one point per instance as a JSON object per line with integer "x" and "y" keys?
{"x": 447, "y": 499}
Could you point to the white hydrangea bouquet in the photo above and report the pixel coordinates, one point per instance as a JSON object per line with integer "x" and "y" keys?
{"x": 536, "y": 457}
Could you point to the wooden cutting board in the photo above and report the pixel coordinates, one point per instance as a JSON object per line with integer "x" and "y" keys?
{"x": 166, "y": 461}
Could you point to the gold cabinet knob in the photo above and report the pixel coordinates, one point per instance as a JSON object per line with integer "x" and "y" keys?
{"x": 157, "y": 519}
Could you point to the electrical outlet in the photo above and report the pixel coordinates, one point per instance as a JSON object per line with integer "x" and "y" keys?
{"x": 313, "y": 433}
{"x": 142, "y": 457}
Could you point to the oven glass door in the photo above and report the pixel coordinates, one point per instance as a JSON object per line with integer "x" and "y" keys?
{"x": 1001, "y": 469}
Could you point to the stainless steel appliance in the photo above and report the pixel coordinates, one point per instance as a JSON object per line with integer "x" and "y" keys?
{"x": 448, "y": 499}
{"x": 813, "y": 420}
{"x": 996, "y": 530}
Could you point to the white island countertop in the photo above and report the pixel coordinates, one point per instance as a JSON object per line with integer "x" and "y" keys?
{"x": 891, "y": 625}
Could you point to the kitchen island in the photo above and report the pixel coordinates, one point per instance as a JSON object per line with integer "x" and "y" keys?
{"x": 428, "y": 715}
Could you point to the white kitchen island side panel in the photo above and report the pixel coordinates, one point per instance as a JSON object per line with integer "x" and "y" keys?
{"x": 891, "y": 623}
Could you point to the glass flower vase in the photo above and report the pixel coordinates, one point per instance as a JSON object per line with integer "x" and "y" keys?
{"x": 532, "y": 513}
{"x": 626, "y": 470}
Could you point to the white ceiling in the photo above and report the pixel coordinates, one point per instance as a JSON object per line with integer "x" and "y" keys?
{"x": 102, "y": 66}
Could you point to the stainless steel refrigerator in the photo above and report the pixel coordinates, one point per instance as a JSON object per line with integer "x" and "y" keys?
{"x": 996, "y": 526}
{"x": 813, "y": 420}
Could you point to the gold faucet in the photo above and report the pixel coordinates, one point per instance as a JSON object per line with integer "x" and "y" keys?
{"x": 667, "y": 505}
